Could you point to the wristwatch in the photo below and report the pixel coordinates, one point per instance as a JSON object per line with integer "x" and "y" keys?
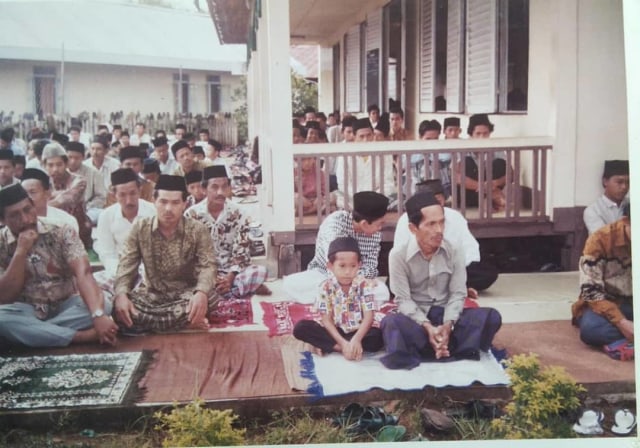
{"x": 97, "y": 313}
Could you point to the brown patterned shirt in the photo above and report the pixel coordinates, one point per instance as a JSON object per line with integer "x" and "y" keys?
{"x": 172, "y": 266}
{"x": 605, "y": 273}
{"x": 49, "y": 278}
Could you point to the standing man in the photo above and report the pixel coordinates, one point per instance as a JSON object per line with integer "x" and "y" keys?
{"x": 364, "y": 224}
{"x": 229, "y": 228}
{"x": 608, "y": 208}
{"x": 180, "y": 271}
{"x": 48, "y": 297}
{"x": 427, "y": 276}
{"x": 117, "y": 220}
{"x": 95, "y": 195}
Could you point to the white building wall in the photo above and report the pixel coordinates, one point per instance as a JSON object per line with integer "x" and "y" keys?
{"x": 110, "y": 88}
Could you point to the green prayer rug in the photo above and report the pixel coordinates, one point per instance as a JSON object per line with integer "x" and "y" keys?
{"x": 58, "y": 381}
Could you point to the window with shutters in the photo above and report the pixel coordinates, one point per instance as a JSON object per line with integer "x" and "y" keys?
{"x": 353, "y": 70}
{"x": 514, "y": 55}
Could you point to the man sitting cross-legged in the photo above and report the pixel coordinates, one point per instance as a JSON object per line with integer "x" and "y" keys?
{"x": 345, "y": 301}
{"x": 117, "y": 220}
{"x": 48, "y": 297}
{"x": 428, "y": 277}
{"x": 364, "y": 224}
{"x": 229, "y": 228}
{"x": 604, "y": 311}
{"x": 180, "y": 270}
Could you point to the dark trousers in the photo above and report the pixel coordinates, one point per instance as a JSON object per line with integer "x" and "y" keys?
{"x": 597, "y": 330}
{"x": 315, "y": 334}
{"x": 407, "y": 343}
{"x": 498, "y": 170}
{"x": 481, "y": 275}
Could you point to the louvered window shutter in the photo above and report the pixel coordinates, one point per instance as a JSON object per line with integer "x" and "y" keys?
{"x": 352, "y": 70}
{"x": 481, "y": 56}
{"x": 427, "y": 55}
{"x": 455, "y": 51}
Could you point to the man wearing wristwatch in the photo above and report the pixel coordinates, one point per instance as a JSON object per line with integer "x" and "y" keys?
{"x": 48, "y": 297}
{"x": 428, "y": 277}
{"x": 229, "y": 227}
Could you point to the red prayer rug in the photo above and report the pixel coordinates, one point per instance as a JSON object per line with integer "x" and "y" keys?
{"x": 231, "y": 313}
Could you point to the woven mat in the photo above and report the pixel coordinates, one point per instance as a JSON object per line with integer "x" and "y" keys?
{"x": 72, "y": 380}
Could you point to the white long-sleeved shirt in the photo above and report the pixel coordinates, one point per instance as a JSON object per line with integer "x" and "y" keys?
{"x": 602, "y": 212}
{"x": 113, "y": 230}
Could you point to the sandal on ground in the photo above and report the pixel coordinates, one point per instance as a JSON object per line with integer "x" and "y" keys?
{"x": 621, "y": 350}
{"x": 589, "y": 423}
{"x": 436, "y": 420}
{"x": 350, "y": 414}
{"x": 625, "y": 422}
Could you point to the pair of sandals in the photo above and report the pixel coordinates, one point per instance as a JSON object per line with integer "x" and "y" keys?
{"x": 358, "y": 419}
{"x": 620, "y": 350}
{"x": 590, "y": 423}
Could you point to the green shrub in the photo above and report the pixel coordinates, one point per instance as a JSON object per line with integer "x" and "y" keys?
{"x": 195, "y": 425}
{"x": 543, "y": 399}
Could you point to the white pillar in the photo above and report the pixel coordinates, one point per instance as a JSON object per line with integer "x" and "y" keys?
{"x": 325, "y": 80}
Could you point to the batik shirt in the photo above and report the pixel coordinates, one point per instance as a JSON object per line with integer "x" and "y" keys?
{"x": 48, "y": 275}
{"x": 230, "y": 234}
{"x": 340, "y": 223}
{"x": 605, "y": 273}
{"x": 172, "y": 266}
{"x": 346, "y": 308}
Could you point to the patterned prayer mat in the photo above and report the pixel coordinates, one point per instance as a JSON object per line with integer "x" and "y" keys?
{"x": 72, "y": 380}
{"x": 231, "y": 313}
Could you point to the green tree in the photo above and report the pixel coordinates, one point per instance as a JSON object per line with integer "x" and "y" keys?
{"x": 303, "y": 93}
{"x": 239, "y": 96}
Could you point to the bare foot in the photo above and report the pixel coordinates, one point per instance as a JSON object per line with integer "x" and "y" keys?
{"x": 202, "y": 325}
{"x": 263, "y": 290}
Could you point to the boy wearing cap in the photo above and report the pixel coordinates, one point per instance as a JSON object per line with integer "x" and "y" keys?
{"x": 48, "y": 297}
{"x": 177, "y": 252}
{"x": 608, "y": 208}
{"x": 117, "y": 220}
{"x": 195, "y": 189}
{"x": 364, "y": 224}
{"x": 452, "y": 128}
{"x": 95, "y": 195}
{"x": 604, "y": 310}
{"x": 37, "y": 185}
{"x": 7, "y": 168}
{"x": 229, "y": 227}
{"x": 346, "y": 303}
{"x": 161, "y": 153}
{"x": 427, "y": 276}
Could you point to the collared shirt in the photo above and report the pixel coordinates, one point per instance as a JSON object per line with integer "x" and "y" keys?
{"x": 95, "y": 195}
{"x": 68, "y": 193}
{"x": 169, "y": 167}
{"x": 605, "y": 273}
{"x": 230, "y": 234}
{"x": 146, "y": 192}
{"x": 419, "y": 283}
{"x": 113, "y": 230}
{"x": 60, "y": 217}
{"x": 108, "y": 166}
{"x": 340, "y": 223}
{"x": 135, "y": 140}
{"x": 602, "y": 212}
{"x": 48, "y": 276}
{"x": 172, "y": 266}
{"x": 366, "y": 179}
{"x": 198, "y": 165}
{"x": 456, "y": 231}
{"x": 346, "y": 309}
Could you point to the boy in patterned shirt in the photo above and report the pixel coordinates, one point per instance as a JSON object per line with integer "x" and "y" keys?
{"x": 346, "y": 304}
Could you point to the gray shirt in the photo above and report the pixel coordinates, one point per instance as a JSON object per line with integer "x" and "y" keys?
{"x": 419, "y": 283}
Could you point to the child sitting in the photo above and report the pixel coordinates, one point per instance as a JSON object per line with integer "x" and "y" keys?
{"x": 346, "y": 305}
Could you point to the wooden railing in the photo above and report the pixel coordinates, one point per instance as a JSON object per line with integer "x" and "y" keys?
{"x": 394, "y": 175}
